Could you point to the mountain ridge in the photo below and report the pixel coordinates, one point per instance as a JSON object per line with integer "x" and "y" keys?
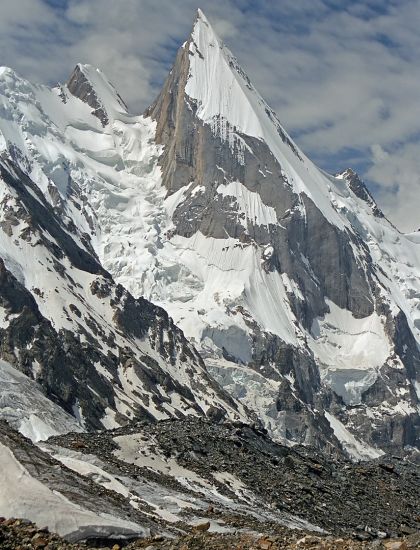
{"x": 298, "y": 294}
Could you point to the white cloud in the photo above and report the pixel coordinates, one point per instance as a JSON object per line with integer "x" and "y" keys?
{"x": 378, "y": 154}
{"x": 398, "y": 177}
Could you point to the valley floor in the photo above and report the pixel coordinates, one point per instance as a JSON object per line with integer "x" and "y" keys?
{"x": 22, "y": 535}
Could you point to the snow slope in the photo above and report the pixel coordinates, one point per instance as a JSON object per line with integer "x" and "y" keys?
{"x": 228, "y": 102}
{"x": 348, "y": 346}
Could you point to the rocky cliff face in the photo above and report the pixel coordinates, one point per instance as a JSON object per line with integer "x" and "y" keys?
{"x": 298, "y": 294}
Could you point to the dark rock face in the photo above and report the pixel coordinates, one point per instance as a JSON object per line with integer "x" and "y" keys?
{"x": 79, "y": 86}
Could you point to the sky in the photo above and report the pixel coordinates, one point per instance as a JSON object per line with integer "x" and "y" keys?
{"x": 343, "y": 76}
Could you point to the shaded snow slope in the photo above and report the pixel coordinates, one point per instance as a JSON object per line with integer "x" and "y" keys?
{"x": 40, "y": 489}
{"x": 25, "y": 408}
{"x": 350, "y": 351}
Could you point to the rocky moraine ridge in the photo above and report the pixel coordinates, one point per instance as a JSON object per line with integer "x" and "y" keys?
{"x": 183, "y": 480}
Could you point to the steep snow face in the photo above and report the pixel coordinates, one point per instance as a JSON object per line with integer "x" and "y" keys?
{"x": 230, "y": 104}
{"x": 231, "y": 95}
{"x": 126, "y": 216}
{"x": 218, "y": 277}
{"x": 41, "y": 137}
{"x": 256, "y": 229}
{"x": 395, "y": 257}
{"x": 105, "y": 181}
{"x": 350, "y": 351}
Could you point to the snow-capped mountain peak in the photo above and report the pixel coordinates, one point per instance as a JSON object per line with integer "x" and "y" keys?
{"x": 91, "y": 86}
{"x": 220, "y": 86}
{"x": 229, "y": 103}
{"x": 268, "y": 240}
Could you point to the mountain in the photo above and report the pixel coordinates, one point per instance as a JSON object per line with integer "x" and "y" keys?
{"x": 297, "y": 301}
{"x": 302, "y": 296}
{"x": 96, "y": 352}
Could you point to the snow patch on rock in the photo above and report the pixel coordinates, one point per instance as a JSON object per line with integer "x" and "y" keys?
{"x": 357, "y": 449}
{"x": 350, "y": 351}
